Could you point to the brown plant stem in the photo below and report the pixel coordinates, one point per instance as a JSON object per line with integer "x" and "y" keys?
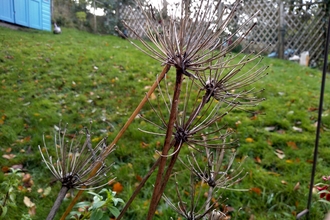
{"x": 167, "y": 144}
{"x": 169, "y": 171}
{"x": 57, "y": 202}
{"x": 137, "y": 190}
{"x": 110, "y": 147}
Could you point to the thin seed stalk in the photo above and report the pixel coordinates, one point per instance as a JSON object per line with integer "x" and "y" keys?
{"x": 57, "y": 202}
{"x": 110, "y": 147}
{"x": 168, "y": 173}
{"x": 167, "y": 145}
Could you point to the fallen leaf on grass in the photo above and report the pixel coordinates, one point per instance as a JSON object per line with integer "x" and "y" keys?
{"x": 5, "y": 169}
{"x": 272, "y": 128}
{"x": 280, "y": 154}
{"x": 256, "y": 190}
{"x": 249, "y": 140}
{"x": 296, "y": 187}
{"x": 257, "y": 159}
{"x": 292, "y": 145}
{"x": 144, "y": 145}
{"x": 297, "y": 129}
{"x": 8, "y": 156}
{"x": 284, "y": 182}
{"x": 27, "y": 201}
{"x": 117, "y": 187}
{"x": 273, "y": 173}
{"x": 311, "y": 109}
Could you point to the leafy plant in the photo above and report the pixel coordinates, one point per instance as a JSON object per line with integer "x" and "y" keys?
{"x": 104, "y": 205}
{"x": 9, "y": 190}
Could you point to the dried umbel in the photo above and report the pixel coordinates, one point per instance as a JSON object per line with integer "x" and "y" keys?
{"x": 189, "y": 39}
{"x": 192, "y": 39}
{"x": 75, "y": 159}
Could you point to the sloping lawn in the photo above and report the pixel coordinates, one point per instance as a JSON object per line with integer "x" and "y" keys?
{"x": 78, "y": 78}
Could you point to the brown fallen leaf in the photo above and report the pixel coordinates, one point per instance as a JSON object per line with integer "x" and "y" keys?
{"x": 8, "y": 156}
{"x": 292, "y": 144}
{"x": 296, "y": 187}
{"x": 256, "y": 190}
{"x": 257, "y": 159}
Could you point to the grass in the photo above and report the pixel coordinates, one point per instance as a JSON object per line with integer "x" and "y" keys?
{"x": 77, "y": 77}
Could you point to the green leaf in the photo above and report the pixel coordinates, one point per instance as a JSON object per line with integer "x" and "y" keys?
{"x": 113, "y": 210}
{"x": 83, "y": 204}
{"x": 116, "y": 200}
{"x": 97, "y": 214}
{"x": 98, "y": 204}
{"x": 4, "y": 210}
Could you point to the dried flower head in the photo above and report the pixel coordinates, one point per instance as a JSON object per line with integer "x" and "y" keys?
{"x": 192, "y": 36}
{"x": 75, "y": 159}
{"x": 229, "y": 84}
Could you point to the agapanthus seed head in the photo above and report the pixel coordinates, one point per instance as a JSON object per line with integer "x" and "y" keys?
{"x": 75, "y": 159}
{"x": 193, "y": 37}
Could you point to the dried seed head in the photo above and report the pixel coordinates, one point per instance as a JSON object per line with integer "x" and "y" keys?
{"x": 75, "y": 160}
{"x": 192, "y": 38}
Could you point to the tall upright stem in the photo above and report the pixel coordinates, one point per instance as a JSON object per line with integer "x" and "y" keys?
{"x": 110, "y": 147}
{"x": 57, "y": 202}
{"x": 167, "y": 144}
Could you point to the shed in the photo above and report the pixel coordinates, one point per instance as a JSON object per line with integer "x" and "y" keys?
{"x": 30, "y": 13}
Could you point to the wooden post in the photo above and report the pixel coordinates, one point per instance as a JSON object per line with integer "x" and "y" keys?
{"x": 281, "y": 30}
{"x": 94, "y": 17}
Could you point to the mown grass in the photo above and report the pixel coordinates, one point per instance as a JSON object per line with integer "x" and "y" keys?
{"x": 77, "y": 77}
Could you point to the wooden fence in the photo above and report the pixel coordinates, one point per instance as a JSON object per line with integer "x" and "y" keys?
{"x": 283, "y": 28}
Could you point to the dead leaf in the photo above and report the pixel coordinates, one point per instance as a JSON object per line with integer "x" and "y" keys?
{"x": 8, "y": 156}
{"x": 26, "y": 178}
{"x": 281, "y": 131}
{"x": 292, "y": 145}
{"x": 144, "y": 145}
{"x": 257, "y": 159}
{"x": 273, "y": 173}
{"x": 117, "y": 187}
{"x": 138, "y": 178}
{"x": 249, "y": 140}
{"x": 311, "y": 109}
{"x": 269, "y": 142}
{"x": 272, "y": 128}
{"x": 32, "y": 211}
{"x": 153, "y": 96}
{"x": 297, "y": 129}
{"x": 296, "y": 187}
{"x": 27, "y": 201}
{"x": 280, "y": 154}
{"x": 284, "y": 182}
{"x": 5, "y": 169}
{"x": 256, "y": 190}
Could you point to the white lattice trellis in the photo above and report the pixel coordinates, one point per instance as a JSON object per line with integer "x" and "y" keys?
{"x": 277, "y": 23}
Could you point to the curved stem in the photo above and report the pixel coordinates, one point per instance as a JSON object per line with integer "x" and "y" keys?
{"x": 110, "y": 147}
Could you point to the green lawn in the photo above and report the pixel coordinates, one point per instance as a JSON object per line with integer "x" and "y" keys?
{"x": 77, "y": 77}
